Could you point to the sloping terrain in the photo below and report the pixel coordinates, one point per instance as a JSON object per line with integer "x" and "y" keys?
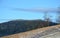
{"x": 54, "y": 31}
{"x": 18, "y": 26}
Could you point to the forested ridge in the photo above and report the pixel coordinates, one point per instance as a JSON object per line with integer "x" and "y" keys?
{"x": 18, "y": 26}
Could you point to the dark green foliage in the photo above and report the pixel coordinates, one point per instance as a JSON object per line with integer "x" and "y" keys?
{"x": 18, "y": 26}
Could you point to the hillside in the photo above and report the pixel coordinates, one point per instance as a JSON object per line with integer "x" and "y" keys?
{"x": 35, "y": 33}
{"x": 18, "y": 26}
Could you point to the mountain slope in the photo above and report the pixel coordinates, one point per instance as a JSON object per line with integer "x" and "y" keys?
{"x": 34, "y": 33}
{"x": 18, "y": 26}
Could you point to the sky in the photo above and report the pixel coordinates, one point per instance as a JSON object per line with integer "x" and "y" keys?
{"x": 6, "y": 6}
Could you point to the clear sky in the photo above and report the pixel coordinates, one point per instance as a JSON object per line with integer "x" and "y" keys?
{"x": 7, "y": 14}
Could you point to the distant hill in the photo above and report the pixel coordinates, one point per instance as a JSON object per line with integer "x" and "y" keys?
{"x": 18, "y": 26}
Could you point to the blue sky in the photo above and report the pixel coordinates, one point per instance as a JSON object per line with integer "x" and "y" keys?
{"x": 6, "y": 6}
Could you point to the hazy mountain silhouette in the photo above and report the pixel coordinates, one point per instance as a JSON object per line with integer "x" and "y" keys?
{"x": 18, "y": 26}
